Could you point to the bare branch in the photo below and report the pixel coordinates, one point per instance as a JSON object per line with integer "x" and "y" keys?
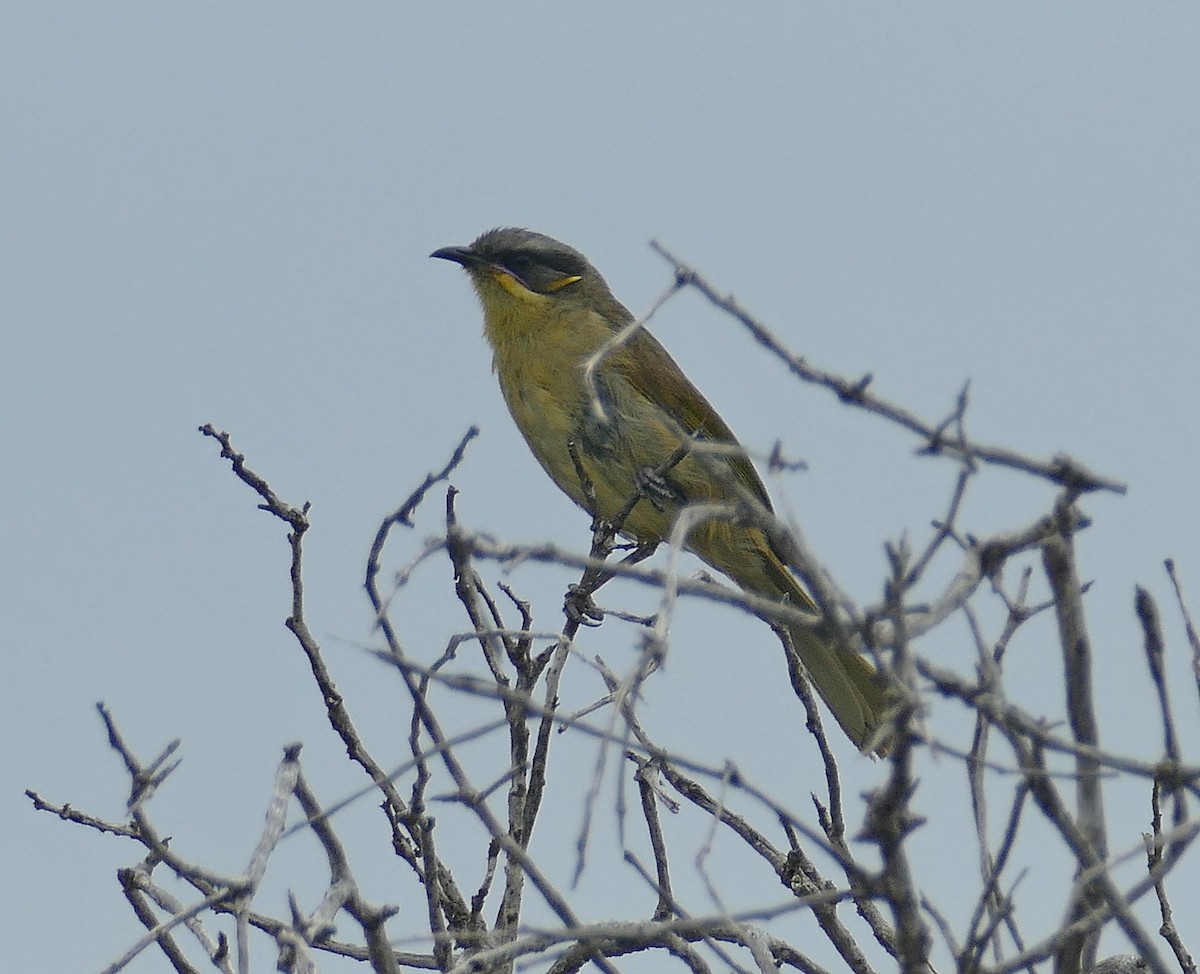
{"x": 480, "y": 719}
{"x": 1061, "y": 469}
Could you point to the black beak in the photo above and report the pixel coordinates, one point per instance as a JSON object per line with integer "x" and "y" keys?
{"x": 460, "y": 255}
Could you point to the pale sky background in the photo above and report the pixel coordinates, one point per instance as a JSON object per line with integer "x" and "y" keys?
{"x": 222, "y": 213}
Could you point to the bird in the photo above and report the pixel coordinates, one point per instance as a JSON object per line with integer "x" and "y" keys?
{"x": 609, "y": 432}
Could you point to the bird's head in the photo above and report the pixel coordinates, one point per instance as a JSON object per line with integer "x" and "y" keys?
{"x": 520, "y": 272}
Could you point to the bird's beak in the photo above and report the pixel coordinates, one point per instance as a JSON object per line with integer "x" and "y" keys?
{"x": 464, "y": 256}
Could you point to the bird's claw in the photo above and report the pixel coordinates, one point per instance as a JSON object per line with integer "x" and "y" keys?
{"x": 654, "y": 487}
{"x": 581, "y": 609}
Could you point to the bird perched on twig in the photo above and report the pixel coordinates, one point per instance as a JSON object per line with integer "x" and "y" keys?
{"x": 604, "y": 432}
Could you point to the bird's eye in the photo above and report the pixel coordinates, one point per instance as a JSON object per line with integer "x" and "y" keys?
{"x": 539, "y": 274}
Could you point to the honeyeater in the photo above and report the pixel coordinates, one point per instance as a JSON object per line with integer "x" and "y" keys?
{"x": 546, "y": 312}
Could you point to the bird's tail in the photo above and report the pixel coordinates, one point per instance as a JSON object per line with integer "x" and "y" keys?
{"x": 847, "y": 683}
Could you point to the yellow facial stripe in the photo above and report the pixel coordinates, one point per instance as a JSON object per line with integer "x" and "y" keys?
{"x": 512, "y": 285}
{"x": 563, "y": 282}
{"x": 519, "y": 290}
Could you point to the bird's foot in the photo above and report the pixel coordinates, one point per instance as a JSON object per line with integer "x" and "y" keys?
{"x": 581, "y": 609}
{"x": 654, "y": 487}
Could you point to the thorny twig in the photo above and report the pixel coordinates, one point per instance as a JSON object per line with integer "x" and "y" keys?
{"x": 520, "y": 682}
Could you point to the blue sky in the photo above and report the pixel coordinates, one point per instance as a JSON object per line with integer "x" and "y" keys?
{"x": 222, "y": 213}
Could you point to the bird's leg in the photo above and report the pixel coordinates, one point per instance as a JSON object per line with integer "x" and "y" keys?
{"x": 579, "y": 605}
{"x": 643, "y": 551}
{"x": 653, "y": 486}
{"x": 580, "y": 608}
